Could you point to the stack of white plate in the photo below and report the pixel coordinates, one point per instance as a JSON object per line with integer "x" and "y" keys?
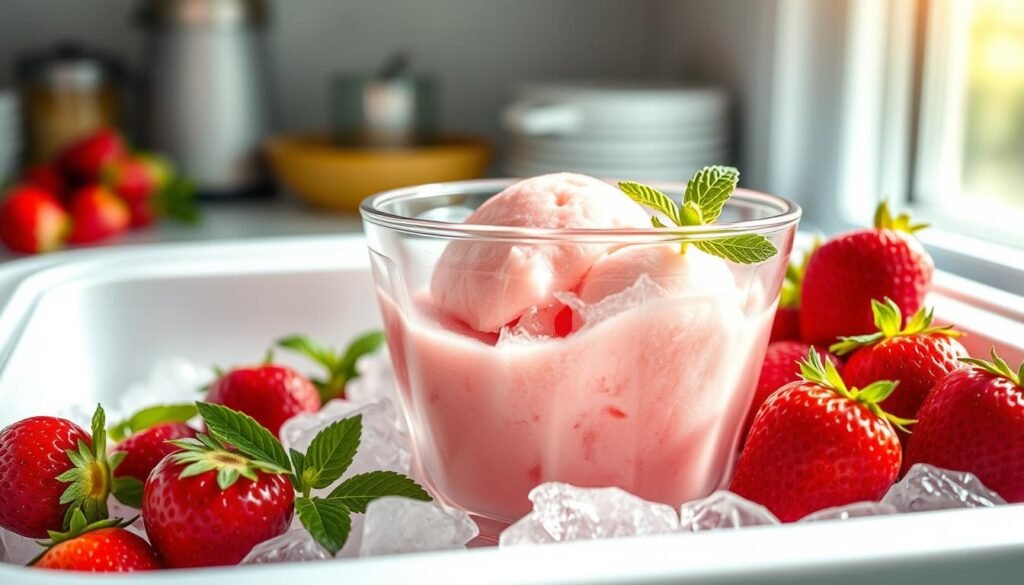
{"x": 628, "y": 131}
{"x": 10, "y": 133}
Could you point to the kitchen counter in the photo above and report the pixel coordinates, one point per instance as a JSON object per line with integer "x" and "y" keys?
{"x": 225, "y": 220}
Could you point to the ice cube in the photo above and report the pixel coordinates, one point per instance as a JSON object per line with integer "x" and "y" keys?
{"x": 402, "y": 525}
{"x": 927, "y": 488}
{"x": 376, "y": 382}
{"x": 854, "y": 510}
{"x": 562, "y": 512}
{"x": 723, "y": 509}
{"x": 635, "y": 295}
{"x": 296, "y": 545}
{"x": 385, "y": 445}
{"x": 17, "y": 549}
{"x": 532, "y": 326}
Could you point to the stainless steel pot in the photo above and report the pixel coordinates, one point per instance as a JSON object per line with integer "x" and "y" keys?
{"x": 208, "y": 94}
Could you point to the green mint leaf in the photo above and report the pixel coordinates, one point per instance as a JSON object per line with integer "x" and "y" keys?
{"x": 742, "y": 249}
{"x": 656, "y": 222}
{"x": 150, "y": 417}
{"x": 364, "y": 344}
{"x": 651, "y": 197}
{"x": 331, "y": 451}
{"x": 328, "y": 522}
{"x": 128, "y": 491}
{"x": 691, "y": 214}
{"x": 358, "y": 491}
{"x": 242, "y": 431}
{"x": 710, "y": 188}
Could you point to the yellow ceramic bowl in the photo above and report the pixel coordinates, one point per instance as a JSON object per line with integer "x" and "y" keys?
{"x": 339, "y": 178}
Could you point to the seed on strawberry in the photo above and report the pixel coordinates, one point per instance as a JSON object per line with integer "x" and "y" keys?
{"x": 852, "y": 269}
{"x": 101, "y": 547}
{"x": 973, "y": 420}
{"x": 917, "y": 356}
{"x": 781, "y": 366}
{"x": 208, "y": 506}
{"x": 816, "y": 444}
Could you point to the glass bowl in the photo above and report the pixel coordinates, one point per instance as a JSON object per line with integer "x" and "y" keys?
{"x": 639, "y": 375}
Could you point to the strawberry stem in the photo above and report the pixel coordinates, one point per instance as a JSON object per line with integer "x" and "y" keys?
{"x": 998, "y": 367}
{"x": 884, "y": 220}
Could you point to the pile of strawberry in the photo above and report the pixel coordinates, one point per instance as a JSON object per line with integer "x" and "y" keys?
{"x": 824, "y": 432}
{"x": 207, "y": 494}
{"x": 95, "y": 189}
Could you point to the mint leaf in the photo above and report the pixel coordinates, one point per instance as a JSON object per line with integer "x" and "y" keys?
{"x": 327, "y": 521}
{"x": 242, "y": 431}
{"x": 742, "y": 249}
{"x": 710, "y": 188}
{"x": 331, "y": 452}
{"x": 360, "y": 346}
{"x": 652, "y": 198}
{"x": 128, "y": 491}
{"x": 150, "y": 417}
{"x": 358, "y": 491}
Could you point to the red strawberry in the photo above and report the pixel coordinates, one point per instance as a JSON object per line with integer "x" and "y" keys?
{"x": 46, "y": 177}
{"x": 786, "y": 325}
{"x": 130, "y": 178}
{"x": 84, "y": 160}
{"x": 917, "y": 356}
{"x": 973, "y": 420}
{"x": 816, "y": 444}
{"x": 208, "y": 506}
{"x": 146, "y": 448}
{"x": 101, "y": 547}
{"x": 32, "y": 220}
{"x": 852, "y": 269}
{"x": 780, "y": 367}
{"x": 49, "y": 467}
{"x": 97, "y": 214}
{"x": 269, "y": 393}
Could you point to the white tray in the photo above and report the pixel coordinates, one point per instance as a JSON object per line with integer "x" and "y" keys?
{"x": 80, "y": 327}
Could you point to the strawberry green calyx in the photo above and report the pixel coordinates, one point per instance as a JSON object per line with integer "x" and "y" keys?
{"x": 813, "y": 370}
{"x": 998, "y": 367}
{"x": 91, "y": 478}
{"x": 889, "y": 321}
{"x": 884, "y": 220}
{"x": 702, "y": 203}
{"x": 77, "y": 526}
{"x": 203, "y": 454}
{"x": 340, "y": 367}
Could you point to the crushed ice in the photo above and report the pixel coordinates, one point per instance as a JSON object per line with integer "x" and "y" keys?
{"x": 635, "y": 295}
{"x": 723, "y": 509}
{"x": 927, "y": 488}
{"x": 425, "y": 526}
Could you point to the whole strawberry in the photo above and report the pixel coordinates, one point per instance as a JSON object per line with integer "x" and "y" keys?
{"x": 207, "y": 506}
{"x": 973, "y": 420}
{"x": 32, "y": 220}
{"x": 917, "y": 356}
{"x": 852, "y": 269}
{"x": 780, "y": 367}
{"x": 144, "y": 450}
{"x": 786, "y": 325}
{"x": 816, "y": 444}
{"x": 47, "y": 177}
{"x": 84, "y": 160}
{"x": 269, "y": 393}
{"x": 101, "y": 547}
{"x": 49, "y": 467}
{"x": 96, "y": 214}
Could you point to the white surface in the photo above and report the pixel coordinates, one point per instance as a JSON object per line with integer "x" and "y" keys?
{"x": 86, "y": 327}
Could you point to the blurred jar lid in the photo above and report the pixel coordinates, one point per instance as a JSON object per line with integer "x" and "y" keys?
{"x": 68, "y": 66}
{"x": 163, "y": 14}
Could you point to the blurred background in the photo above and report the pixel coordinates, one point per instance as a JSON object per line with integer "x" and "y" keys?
{"x": 280, "y": 115}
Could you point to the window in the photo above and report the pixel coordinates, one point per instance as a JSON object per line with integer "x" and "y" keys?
{"x": 969, "y": 171}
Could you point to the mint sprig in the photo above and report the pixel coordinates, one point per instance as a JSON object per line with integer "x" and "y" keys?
{"x": 330, "y": 454}
{"x": 706, "y": 194}
{"x": 340, "y": 367}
